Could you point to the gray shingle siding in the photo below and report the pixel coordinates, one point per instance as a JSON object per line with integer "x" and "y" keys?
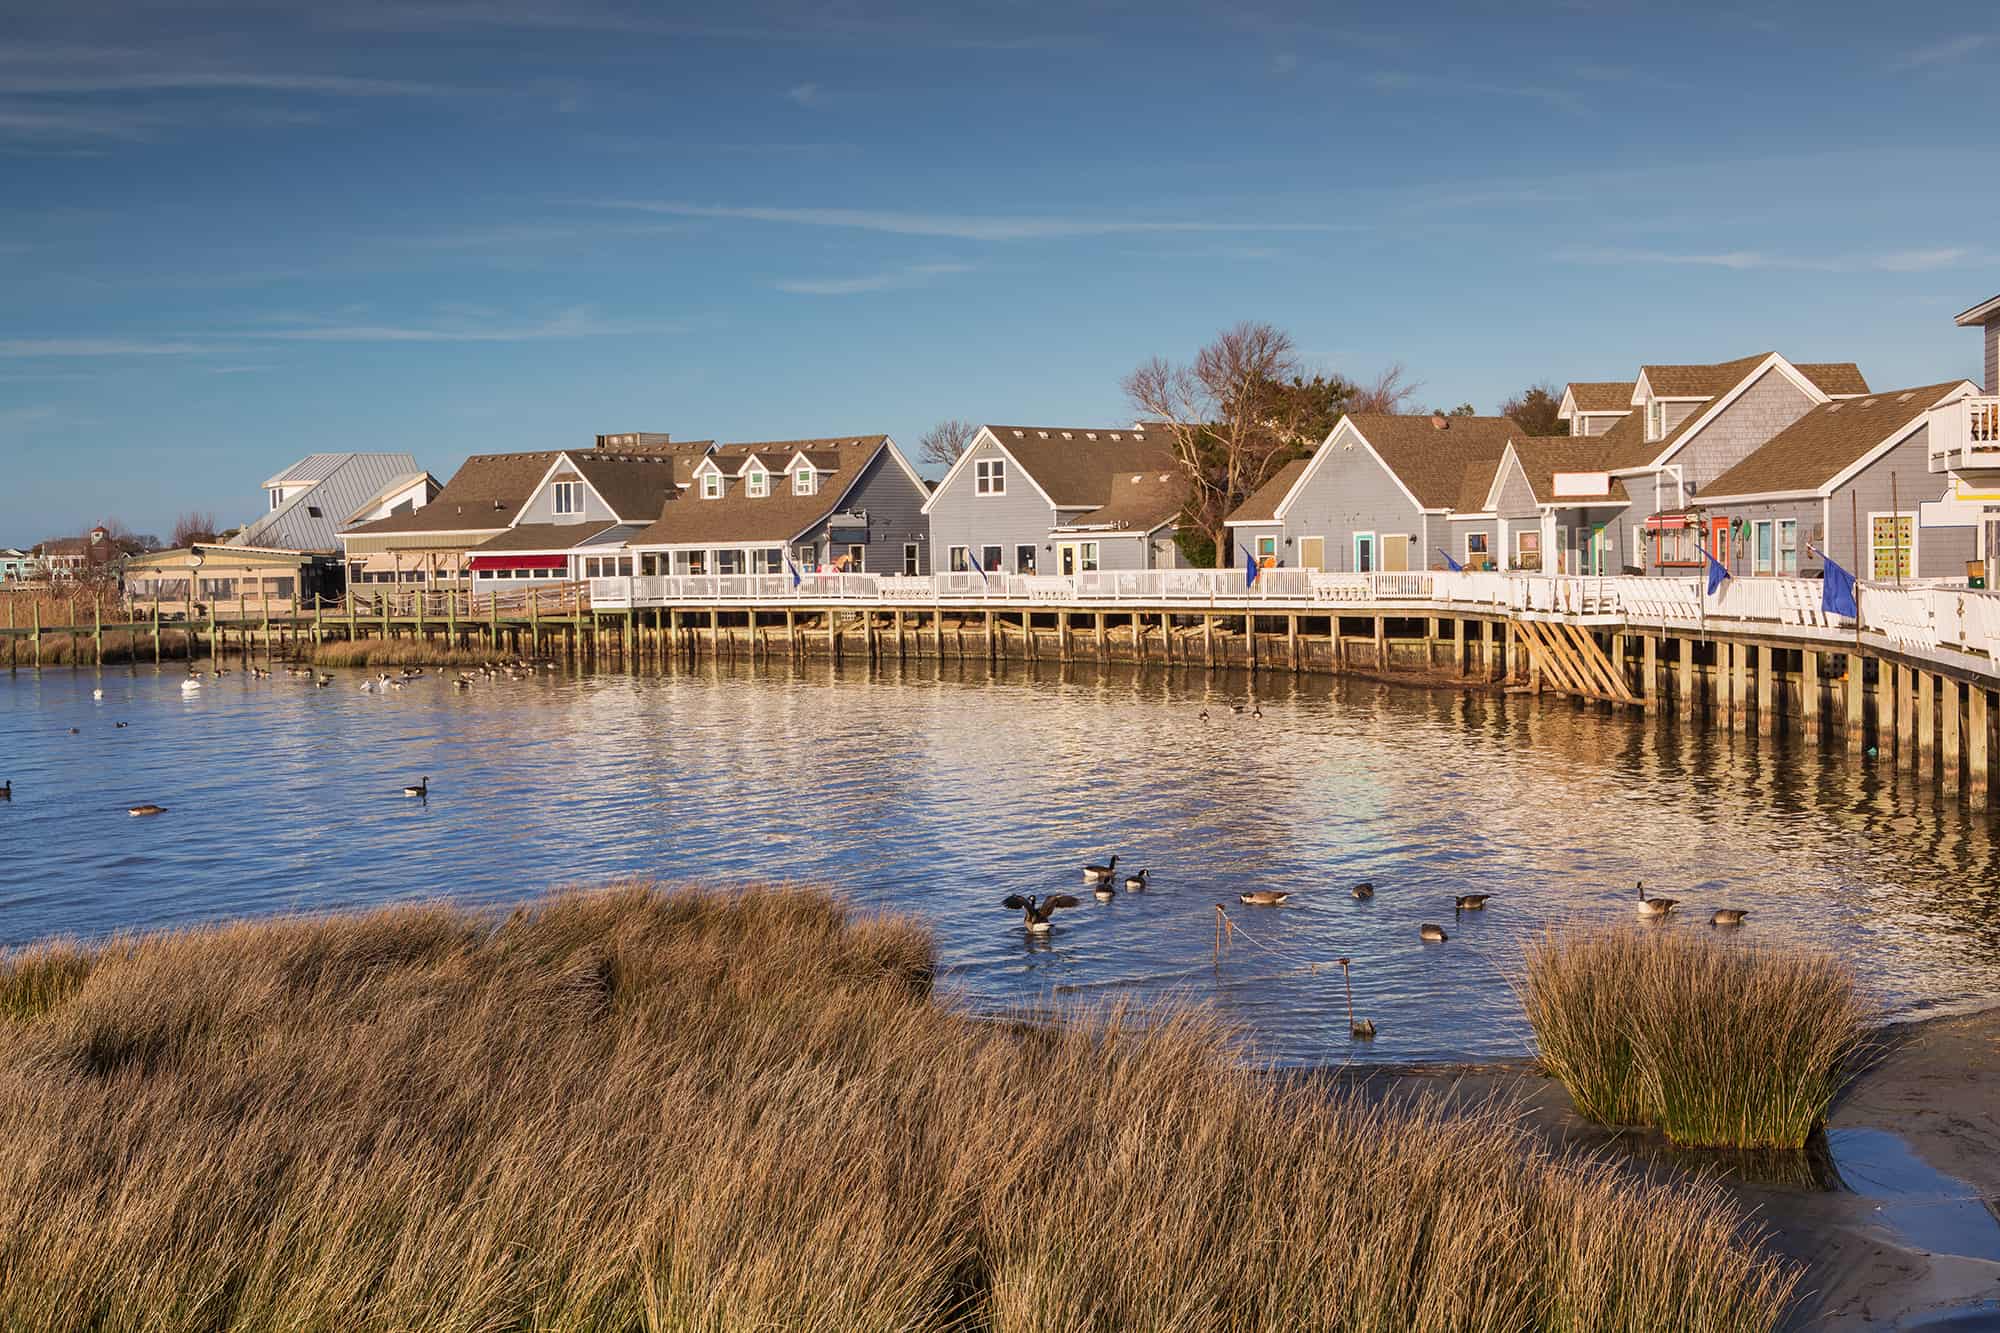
{"x": 1676, "y": 413}
{"x": 1993, "y": 355}
{"x": 960, "y": 517}
{"x": 1741, "y": 555}
{"x": 541, "y": 507}
{"x": 1746, "y": 425}
{"x": 1456, "y": 530}
{"x": 1347, "y": 492}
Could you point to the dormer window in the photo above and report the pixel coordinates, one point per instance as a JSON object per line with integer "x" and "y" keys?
{"x": 277, "y": 497}
{"x": 805, "y": 482}
{"x": 1656, "y": 419}
{"x": 568, "y": 497}
{"x": 757, "y": 484}
{"x": 711, "y": 485}
{"x": 989, "y": 476}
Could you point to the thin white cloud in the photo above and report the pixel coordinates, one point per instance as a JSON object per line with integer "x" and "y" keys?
{"x": 809, "y": 27}
{"x": 140, "y": 81}
{"x": 805, "y": 94}
{"x": 236, "y": 370}
{"x": 959, "y": 226}
{"x": 23, "y": 347}
{"x": 913, "y": 275}
{"x": 1892, "y": 261}
{"x": 37, "y": 123}
{"x": 576, "y": 322}
{"x": 1945, "y": 52}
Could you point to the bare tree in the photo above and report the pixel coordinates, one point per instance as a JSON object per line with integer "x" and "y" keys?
{"x": 1389, "y": 392}
{"x": 194, "y": 526}
{"x": 1535, "y": 407}
{"x": 1226, "y": 416}
{"x": 944, "y": 442}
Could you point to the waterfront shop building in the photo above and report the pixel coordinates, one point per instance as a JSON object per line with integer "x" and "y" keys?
{"x": 306, "y": 505}
{"x": 1059, "y": 500}
{"x": 224, "y": 577}
{"x": 575, "y": 521}
{"x": 1554, "y": 506}
{"x": 1383, "y": 493}
{"x": 18, "y": 566}
{"x": 848, "y": 504}
{"x": 95, "y": 555}
{"x": 1964, "y": 444}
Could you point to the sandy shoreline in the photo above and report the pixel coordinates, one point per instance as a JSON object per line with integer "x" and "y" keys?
{"x": 1887, "y": 1243}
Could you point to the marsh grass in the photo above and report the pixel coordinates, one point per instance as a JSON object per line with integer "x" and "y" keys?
{"x": 1718, "y": 1042}
{"x": 673, "y": 1110}
{"x": 37, "y": 979}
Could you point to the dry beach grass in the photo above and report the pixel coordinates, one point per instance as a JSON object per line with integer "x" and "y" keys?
{"x": 674, "y": 1110}
{"x": 1720, "y": 1042}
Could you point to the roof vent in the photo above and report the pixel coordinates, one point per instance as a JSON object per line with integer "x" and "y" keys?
{"x": 1868, "y": 402}
{"x": 1438, "y": 421}
{"x": 1067, "y": 436}
{"x": 1136, "y": 479}
{"x": 1114, "y": 434}
{"x": 1905, "y": 397}
{"x": 1090, "y": 435}
{"x": 1044, "y": 434}
{"x": 1835, "y": 407}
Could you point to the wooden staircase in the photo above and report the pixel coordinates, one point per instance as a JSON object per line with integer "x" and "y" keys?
{"x": 1568, "y": 658}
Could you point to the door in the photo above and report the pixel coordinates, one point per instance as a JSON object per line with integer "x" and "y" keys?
{"x": 1066, "y": 559}
{"x": 1024, "y": 558}
{"x": 1364, "y": 553}
{"x": 1395, "y": 553}
{"x": 1763, "y": 550}
{"x": 1312, "y": 552}
{"x": 1718, "y": 540}
{"x": 912, "y": 558}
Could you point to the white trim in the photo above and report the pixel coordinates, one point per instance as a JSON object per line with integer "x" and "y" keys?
{"x": 1566, "y": 409}
{"x": 562, "y": 457}
{"x": 1291, "y": 492}
{"x": 1325, "y": 450}
{"x": 1507, "y": 455}
{"x": 1915, "y": 533}
{"x": 1719, "y": 501}
{"x": 1967, "y": 319}
{"x": 986, "y": 434}
{"x": 708, "y": 462}
{"x": 1965, "y": 389}
{"x": 1315, "y": 537}
{"x": 1465, "y": 556}
{"x": 896, "y": 454}
{"x": 991, "y": 482}
{"x": 1470, "y": 515}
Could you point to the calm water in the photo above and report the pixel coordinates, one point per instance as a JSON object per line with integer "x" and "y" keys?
{"x": 942, "y": 791}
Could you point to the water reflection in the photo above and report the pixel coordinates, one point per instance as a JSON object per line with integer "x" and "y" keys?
{"x": 940, "y": 790}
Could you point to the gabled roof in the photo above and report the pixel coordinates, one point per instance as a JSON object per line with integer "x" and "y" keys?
{"x": 1140, "y": 502}
{"x": 312, "y": 468}
{"x": 633, "y": 485}
{"x": 1429, "y": 461}
{"x": 336, "y": 485}
{"x": 1684, "y": 382}
{"x": 1541, "y": 457}
{"x": 1811, "y": 454}
{"x": 485, "y": 494}
{"x": 686, "y": 519}
{"x": 1633, "y": 451}
{"x": 1261, "y": 505}
{"x": 1980, "y": 313}
{"x": 543, "y": 537}
{"x": 1073, "y": 465}
{"x": 1834, "y": 378}
{"x": 1596, "y": 396}
{"x": 400, "y": 482}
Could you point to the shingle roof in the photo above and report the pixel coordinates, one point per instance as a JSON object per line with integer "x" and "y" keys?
{"x": 687, "y": 519}
{"x": 397, "y": 483}
{"x": 1601, "y": 395}
{"x": 1074, "y": 465}
{"x": 1833, "y": 377}
{"x": 1542, "y": 456}
{"x": 634, "y": 487}
{"x": 1708, "y": 381}
{"x": 1140, "y": 502}
{"x": 1431, "y": 462}
{"x": 1826, "y": 441}
{"x": 543, "y": 537}
{"x": 486, "y": 492}
{"x": 1261, "y": 506}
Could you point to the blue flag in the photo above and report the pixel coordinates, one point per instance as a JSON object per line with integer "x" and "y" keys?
{"x": 793, "y": 570}
{"x": 1836, "y": 594}
{"x": 972, "y": 558}
{"x": 1249, "y": 569}
{"x": 1717, "y": 571}
{"x": 1449, "y": 563}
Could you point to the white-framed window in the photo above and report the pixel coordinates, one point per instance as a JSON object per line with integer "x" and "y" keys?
{"x": 1656, "y": 419}
{"x": 1476, "y": 547}
{"x": 1527, "y": 548}
{"x": 1892, "y": 545}
{"x": 757, "y": 484}
{"x": 855, "y": 560}
{"x": 1086, "y": 557}
{"x": 1024, "y": 558}
{"x": 989, "y": 476}
{"x": 568, "y": 497}
{"x": 961, "y": 560}
{"x": 805, "y": 482}
{"x": 1764, "y": 547}
{"x": 913, "y": 558}
{"x": 1788, "y": 546}
{"x": 807, "y": 556}
{"x": 711, "y": 485}
{"x": 1267, "y": 550}
{"x": 729, "y": 562}
{"x": 989, "y": 559}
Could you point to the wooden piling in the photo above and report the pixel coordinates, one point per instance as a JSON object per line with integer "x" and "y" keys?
{"x": 1767, "y": 676}
{"x": 1949, "y": 759}
{"x": 1809, "y": 690}
{"x": 1926, "y": 722}
{"x": 1975, "y": 746}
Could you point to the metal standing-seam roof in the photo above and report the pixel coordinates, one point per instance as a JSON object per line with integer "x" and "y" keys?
{"x": 336, "y": 485}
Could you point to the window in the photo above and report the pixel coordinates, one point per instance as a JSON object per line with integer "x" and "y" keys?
{"x": 314, "y": 511}
{"x": 1656, "y": 419}
{"x": 729, "y": 562}
{"x": 989, "y": 559}
{"x": 1078, "y": 557}
{"x": 1892, "y": 546}
{"x": 1788, "y": 546}
{"x": 1527, "y": 549}
{"x": 277, "y": 498}
{"x": 1476, "y": 549}
{"x": 855, "y": 561}
{"x": 711, "y": 485}
{"x": 1024, "y": 558}
{"x": 569, "y": 497}
{"x": 961, "y": 560}
{"x": 913, "y": 559}
{"x": 1764, "y": 552}
{"x": 624, "y": 568}
{"x": 805, "y": 482}
{"x": 807, "y": 556}
{"x": 1267, "y": 551}
{"x": 758, "y": 484}
{"x": 989, "y": 476}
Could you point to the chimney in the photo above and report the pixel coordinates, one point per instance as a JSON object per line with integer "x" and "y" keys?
{"x": 1438, "y": 421}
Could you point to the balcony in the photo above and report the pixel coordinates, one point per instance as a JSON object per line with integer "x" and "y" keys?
{"x": 1965, "y": 436}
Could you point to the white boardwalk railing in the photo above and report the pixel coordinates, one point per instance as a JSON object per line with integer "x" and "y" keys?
{"x": 1922, "y": 617}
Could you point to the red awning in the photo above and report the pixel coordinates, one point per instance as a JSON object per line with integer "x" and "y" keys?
{"x": 1666, "y": 522}
{"x": 519, "y": 562}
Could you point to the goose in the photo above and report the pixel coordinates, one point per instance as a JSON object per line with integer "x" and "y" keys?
{"x": 75, "y": 731}
{"x": 1035, "y": 915}
{"x": 1471, "y": 902}
{"x": 1096, "y": 874}
{"x": 1365, "y": 889}
{"x": 190, "y": 686}
{"x": 321, "y": 681}
{"x": 97, "y": 694}
{"x": 1729, "y": 916}
{"x": 1263, "y": 897}
{"x": 120, "y": 726}
{"x": 1204, "y": 715}
{"x": 143, "y": 811}
{"x": 1104, "y": 893}
{"x": 1256, "y": 712}
{"x": 1236, "y": 708}
{"x": 421, "y": 790}
{"x": 1658, "y": 907}
{"x": 367, "y": 687}
{"x": 1136, "y": 883}
{"x": 7, "y": 790}
{"x": 1434, "y": 933}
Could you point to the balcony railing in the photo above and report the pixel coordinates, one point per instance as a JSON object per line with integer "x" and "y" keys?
{"x": 1965, "y": 435}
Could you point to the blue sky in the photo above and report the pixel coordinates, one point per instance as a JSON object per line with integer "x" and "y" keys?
{"x": 233, "y": 235}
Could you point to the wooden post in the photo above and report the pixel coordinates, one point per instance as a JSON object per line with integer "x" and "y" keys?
{"x": 1381, "y": 644}
{"x": 1975, "y": 746}
{"x": 156, "y": 621}
{"x": 36, "y": 633}
{"x": 1906, "y": 730}
{"x": 992, "y": 646}
{"x": 1857, "y": 704}
{"x": 1926, "y": 722}
{"x": 791, "y": 631}
{"x": 1292, "y": 642}
{"x": 1250, "y": 637}
{"x": 1207, "y": 638}
{"x": 1684, "y": 678}
{"x": 1722, "y": 682}
{"x": 1458, "y": 646}
{"x": 1167, "y": 636}
{"x": 1809, "y": 700}
{"x": 1649, "y": 679}
{"x": 1950, "y": 762}
{"x": 1767, "y": 676}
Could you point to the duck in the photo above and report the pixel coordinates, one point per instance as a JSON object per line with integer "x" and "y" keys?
{"x": 1471, "y": 902}
{"x": 1655, "y": 907}
{"x": 144, "y": 811}
{"x": 321, "y": 681}
{"x": 120, "y": 726}
{"x": 1263, "y": 897}
{"x": 1035, "y": 914}
{"x": 422, "y": 790}
{"x": 1096, "y": 874}
{"x": 1363, "y": 1029}
{"x": 1136, "y": 883}
{"x": 76, "y": 731}
{"x": 1433, "y": 933}
{"x": 190, "y": 686}
{"x": 1729, "y": 916}
{"x": 1365, "y": 889}
{"x": 97, "y": 694}
{"x": 7, "y": 790}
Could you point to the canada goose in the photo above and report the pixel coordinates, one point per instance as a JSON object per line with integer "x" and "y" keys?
{"x": 1095, "y": 874}
{"x": 142, "y": 811}
{"x": 1236, "y": 708}
{"x": 1104, "y": 893}
{"x": 1655, "y": 906}
{"x": 321, "y": 681}
{"x": 1263, "y": 897}
{"x": 1363, "y": 1029}
{"x": 120, "y": 725}
{"x": 1435, "y": 934}
{"x": 421, "y": 789}
{"x": 1035, "y": 915}
{"x": 1729, "y": 916}
{"x": 1136, "y": 883}
{"x": 190, "y": 686}
{"x": 7, "y": 790}
{"x": 1365, "y": 889}
{"x": 1204, "y": 715}
{"x": 1256, "y": 712}
{"x": 75, "y": 731}
{"x": 1471, "y": 902}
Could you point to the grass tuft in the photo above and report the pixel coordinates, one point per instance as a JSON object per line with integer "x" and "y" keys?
{"x": 36, "y": 980}
{"x": 1720, "y": 1043}
{"x": 672, "y": 1110}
